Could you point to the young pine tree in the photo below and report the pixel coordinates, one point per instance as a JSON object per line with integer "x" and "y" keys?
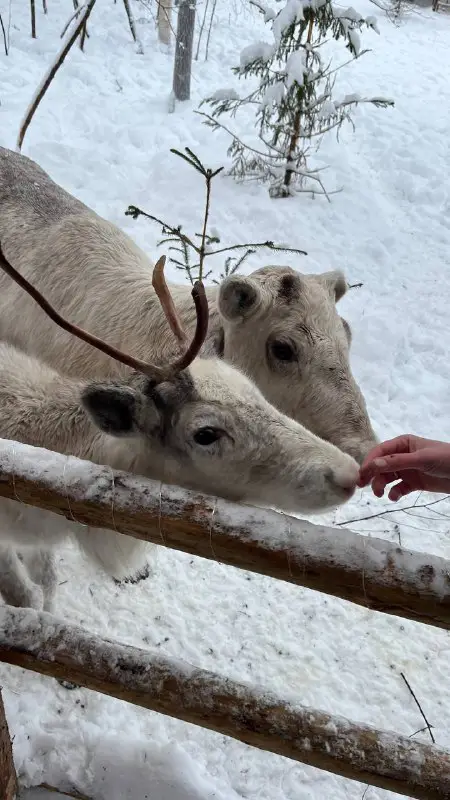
{"x": 293, "y": 101}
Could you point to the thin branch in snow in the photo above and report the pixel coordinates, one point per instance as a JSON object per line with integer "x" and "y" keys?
{"x": 33, "y": 18}
{"x": 392, "y": 511}
{"x": 74, "y": 794}
{"x": 213, "y": 11}
{"x": 4, "y": 35}
{"x": 132, "y": 25}
{"x": 42, "y": 88}
{"x": 73, "y": 16}
{"x": 201, "y": 30}
{"x": 420, "y": 708}
{"x": 83, "y": 36}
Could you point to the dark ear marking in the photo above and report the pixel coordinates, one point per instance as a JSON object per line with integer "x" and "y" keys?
{"x": 112, "y": 408}
{"x": 239, "y": 296}
{"x": 289, "y": 288}
{"x": 245, "y": 297}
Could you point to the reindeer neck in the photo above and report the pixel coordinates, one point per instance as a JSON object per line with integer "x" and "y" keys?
{"x": 54, "y": 418}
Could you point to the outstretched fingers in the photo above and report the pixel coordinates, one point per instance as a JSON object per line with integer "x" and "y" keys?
{"x": 388, "y": 465}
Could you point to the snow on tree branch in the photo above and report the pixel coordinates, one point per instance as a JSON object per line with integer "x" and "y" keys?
{"x": 294, "y": 102}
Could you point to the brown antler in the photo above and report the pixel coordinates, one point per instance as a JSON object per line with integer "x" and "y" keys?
{"x": 152, "y": 371}
{"x": 165, "y": 298}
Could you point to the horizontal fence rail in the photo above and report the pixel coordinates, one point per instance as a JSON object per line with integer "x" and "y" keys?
{"x": 40, "y": 642}
{"x": 371, "y": 572}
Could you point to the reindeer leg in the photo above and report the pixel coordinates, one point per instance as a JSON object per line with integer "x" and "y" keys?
{"x": 16, "y": 586}
{"x": 125, "y": 559}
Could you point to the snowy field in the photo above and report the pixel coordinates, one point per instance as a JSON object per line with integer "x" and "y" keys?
{"x": 103, "y": 132}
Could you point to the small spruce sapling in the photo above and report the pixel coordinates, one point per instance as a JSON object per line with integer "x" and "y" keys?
{"x": 293, "y": 101}
{"x": 192, "y": 251}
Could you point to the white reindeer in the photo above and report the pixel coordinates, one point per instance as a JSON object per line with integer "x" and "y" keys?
{"x": 198, "y": 423}
{"x": 279, "y": 327}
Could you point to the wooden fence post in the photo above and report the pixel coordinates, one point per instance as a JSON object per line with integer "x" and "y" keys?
{"x": 8, "y": 778}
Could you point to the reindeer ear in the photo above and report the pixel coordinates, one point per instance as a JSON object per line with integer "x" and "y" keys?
{"x": 335, "y": 282}
{"x": 239, "y": 298}
{"x": 116, "y": 410}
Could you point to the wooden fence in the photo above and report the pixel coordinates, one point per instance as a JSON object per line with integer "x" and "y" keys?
{"x": 370, "y": 572}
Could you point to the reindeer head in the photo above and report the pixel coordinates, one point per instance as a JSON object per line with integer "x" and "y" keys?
{"x": 202, "y": 424}
{"x": 283, "y": 330}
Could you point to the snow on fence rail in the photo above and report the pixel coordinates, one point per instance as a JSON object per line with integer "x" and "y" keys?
{"x": 40, "y": 642}
{"x": 371, "y": 572}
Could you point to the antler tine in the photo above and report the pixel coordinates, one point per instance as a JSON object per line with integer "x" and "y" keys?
{"x": 201, "y": 306}
{"x": 155, "y": 373}
{"x": 165, "y": 298}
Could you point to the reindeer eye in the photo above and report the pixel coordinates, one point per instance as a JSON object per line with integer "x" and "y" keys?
{"x": 283, "y": 351}
{"x": 206, "y": 436}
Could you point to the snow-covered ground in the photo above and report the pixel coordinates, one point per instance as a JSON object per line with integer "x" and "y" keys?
{"x": 103, "y": 131}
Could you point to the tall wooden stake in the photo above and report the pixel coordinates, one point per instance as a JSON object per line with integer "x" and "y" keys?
{"x": 183, "y": 52}
{"x": 8, "y": 778}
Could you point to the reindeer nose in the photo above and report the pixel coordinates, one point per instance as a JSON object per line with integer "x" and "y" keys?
{"x": 344, "y": 477}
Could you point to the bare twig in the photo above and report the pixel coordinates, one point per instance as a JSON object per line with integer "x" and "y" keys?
{"x": 132, "y": 25}
{"x": 427, "y": 724}
{"x": 201, "y": 30}
{"x": 130, "y": 19}
{"x": 5, "y": 42}
{"x": 73, "y": 794}
{"x": 8, "y": 35}
{"x": 83, "y": 37}
{"x": 73, "y": 16}
{"x": 33, "y": 18}
{"x": 392, "y": 511}
{"x": 53, "y": 70}
{"x": 211, "y": 19}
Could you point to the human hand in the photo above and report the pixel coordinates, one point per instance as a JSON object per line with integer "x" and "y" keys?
{"x": 418, "y": 464}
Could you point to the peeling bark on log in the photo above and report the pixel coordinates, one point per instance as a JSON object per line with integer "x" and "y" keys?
{"x": 40, "y": 642}
{"x": 371, "y": 572}
{"x": 8, "y": 779}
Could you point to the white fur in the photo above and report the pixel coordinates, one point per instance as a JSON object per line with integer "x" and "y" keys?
{"x": 260, "y": 455}
{"x": 95, "y": 275}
